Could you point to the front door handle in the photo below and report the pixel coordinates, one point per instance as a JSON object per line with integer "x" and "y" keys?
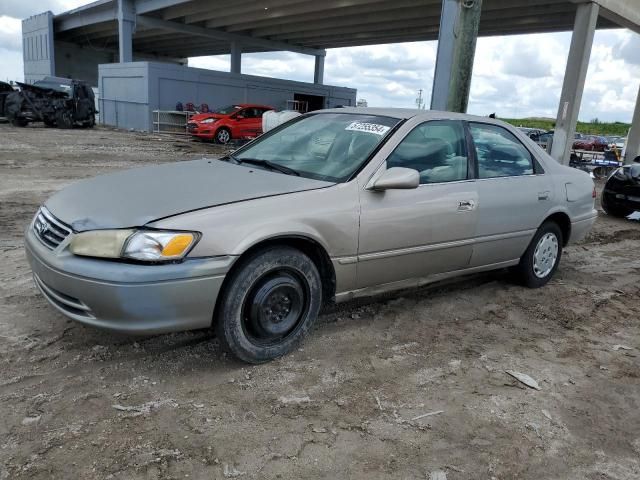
{"x": 466, "y": 205}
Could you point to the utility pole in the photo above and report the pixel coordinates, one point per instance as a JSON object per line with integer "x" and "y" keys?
{"x": 420, "y": 101}
{"x": 459, "y": 22}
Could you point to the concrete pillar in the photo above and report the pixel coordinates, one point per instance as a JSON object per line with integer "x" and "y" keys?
{"x": 633, "y": 140}
{"x": 318, "y": 73}
{"x": 126, "y": 28}
{"x": 574, "y": 77}
{"x": 236, "y": 57}
{"x": 459, "y": 22}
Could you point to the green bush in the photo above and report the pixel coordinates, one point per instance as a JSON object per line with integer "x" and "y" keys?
{"x": 590, "y": 128}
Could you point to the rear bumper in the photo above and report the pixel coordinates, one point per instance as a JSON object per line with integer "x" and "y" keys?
{"x": 128, "y": 298}
{"x": 629, "y": 199}
{"x": 581, "y": 227}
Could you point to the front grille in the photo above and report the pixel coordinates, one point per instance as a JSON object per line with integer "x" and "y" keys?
{"x": 192, "y": 126}
{"x": 49, "y": 230}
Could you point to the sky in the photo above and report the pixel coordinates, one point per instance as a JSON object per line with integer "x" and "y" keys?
{"x": 514, "y": 76}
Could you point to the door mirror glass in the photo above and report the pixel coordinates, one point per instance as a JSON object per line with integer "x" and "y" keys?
{"x": 397, "y": 178}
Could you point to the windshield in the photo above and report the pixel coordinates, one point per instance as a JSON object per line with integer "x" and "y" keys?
{"x": 325, "y": 146}
{"x": 227, "y": 110}
{"x": 58, "y": 87}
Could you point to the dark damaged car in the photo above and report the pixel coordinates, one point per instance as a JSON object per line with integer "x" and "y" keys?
{"x": 621, "y": 194}
{"x": 58, "y": 102}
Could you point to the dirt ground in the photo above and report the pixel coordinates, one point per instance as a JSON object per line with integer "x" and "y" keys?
{"x": 79, "y": 403}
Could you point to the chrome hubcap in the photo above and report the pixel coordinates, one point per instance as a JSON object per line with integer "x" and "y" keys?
{"x": 545, "y": 255}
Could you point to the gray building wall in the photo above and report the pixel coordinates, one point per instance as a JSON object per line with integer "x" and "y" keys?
{"x": 37, "y": 47}
{"x": 74, "y": 61}
{"x": 129, "y": 92}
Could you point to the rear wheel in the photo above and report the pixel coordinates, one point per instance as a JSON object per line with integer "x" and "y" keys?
{"x": 223, "y": 136}
{"x": 540, "y": 261}
{"x": 269, "y": 304}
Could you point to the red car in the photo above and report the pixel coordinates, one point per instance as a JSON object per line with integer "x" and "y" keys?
{"x": 239, "y": 121}
{"x": 591, "y": 142}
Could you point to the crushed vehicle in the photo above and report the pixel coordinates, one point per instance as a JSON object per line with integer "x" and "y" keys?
{"x": 621, "y": 194}
{"x": 332, "y": 205}
{"x": 59, "y": 102}
{"x": 5, "y": 90}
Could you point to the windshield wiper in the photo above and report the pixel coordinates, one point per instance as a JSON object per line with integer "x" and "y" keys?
{"x": 268, "y": 164}
{"x": 230, "y": 156}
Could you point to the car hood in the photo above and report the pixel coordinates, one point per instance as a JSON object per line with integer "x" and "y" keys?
{"x": 133, "y": 198}
{"x": 203, "y": 116}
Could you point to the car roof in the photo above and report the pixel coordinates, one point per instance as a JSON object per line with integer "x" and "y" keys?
{"x": 252, "y": 105}
{"x": 407, "y": 113}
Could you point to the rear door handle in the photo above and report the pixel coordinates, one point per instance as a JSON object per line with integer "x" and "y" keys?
{"x": 466, "y": 205}
{"x": 544, "y": 195}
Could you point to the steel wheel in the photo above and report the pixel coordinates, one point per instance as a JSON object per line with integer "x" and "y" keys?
{"x": 274, "y": 308}
{"x": 545, "y": 255}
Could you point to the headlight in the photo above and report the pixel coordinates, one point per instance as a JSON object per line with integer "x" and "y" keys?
{"x": 208, "y": 120}
{"x": 145, "y": 245}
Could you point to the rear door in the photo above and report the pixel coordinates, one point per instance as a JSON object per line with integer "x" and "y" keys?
{"x": 514, "y": 195}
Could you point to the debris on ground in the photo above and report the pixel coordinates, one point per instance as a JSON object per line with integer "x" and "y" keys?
{"x": 524, "y": 378}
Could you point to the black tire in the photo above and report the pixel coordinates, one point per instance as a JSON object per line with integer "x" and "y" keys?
{"x": 19, "y": 122}
{"x": 89, "y": 123}
{"x": 49, "y": 122}
{"x": 269, "y": 304}
{"x": 615, "y": 210}
{"x": 535, "y": 274}
{"x": 223, "y": 136}
{"x": 64, "y": 119}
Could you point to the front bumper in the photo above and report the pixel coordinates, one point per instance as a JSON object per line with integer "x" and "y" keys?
{"x": 125, "y": 297}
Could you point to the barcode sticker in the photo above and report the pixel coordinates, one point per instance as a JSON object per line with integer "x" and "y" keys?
{"x": 368, "y": 128}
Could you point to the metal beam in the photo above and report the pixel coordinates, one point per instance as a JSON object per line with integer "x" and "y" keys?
{"x": 456, "y": 50}
{"x": 633, "y": 140}
{"x": 69, "y": 21}
{"x": 151, "y": 22}
{"x": 625, "y": 13}
{"x": 574, "y": 78}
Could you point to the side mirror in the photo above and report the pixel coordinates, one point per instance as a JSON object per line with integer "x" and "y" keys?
{"x": 239, "y": 117}
{"x": 397, "y": 178}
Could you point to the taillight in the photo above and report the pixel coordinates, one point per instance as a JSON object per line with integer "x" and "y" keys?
{"x": 594, "y": 194}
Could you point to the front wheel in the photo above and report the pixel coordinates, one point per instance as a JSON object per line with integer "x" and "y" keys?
{"x": 269, "y": 304}
{"x": 223, "y": 136}
{"x": 540, "y": 261}
{"x": 64, "y": 119}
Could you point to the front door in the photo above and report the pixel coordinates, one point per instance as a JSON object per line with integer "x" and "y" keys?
{"x": 514, "y": 195}
{"x": 409, "y": 234}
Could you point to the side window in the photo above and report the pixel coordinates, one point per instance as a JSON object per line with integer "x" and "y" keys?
{"x": 499, "y": 152}
{"x": 436, "y": 149}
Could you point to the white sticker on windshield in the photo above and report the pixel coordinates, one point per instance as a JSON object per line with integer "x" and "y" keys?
{"x": 368, "y": 128}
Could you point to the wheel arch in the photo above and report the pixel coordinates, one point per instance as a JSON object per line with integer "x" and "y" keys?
{"x": 309, "y": 246}
{"x": 563, "y": 220}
